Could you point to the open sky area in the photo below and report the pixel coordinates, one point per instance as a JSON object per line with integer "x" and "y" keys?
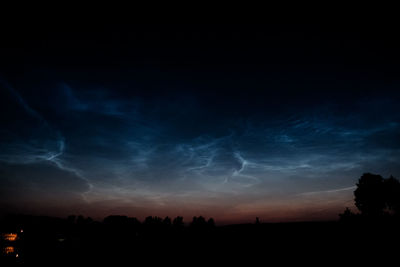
{"x": 230, "y": 121}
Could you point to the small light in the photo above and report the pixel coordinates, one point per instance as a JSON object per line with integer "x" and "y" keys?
{"x": 16, "y": 255}
{"x": 22, "y": 230}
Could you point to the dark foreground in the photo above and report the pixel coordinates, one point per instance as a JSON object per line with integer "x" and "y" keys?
{"x": 53, "y": 242}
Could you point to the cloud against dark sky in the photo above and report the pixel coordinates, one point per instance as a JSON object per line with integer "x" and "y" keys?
{"x": 232, "y": 122}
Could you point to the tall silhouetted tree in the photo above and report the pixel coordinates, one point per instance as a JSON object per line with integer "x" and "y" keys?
{"x": 370, "y": 195}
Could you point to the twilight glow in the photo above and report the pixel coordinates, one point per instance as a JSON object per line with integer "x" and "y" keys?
{"x": 231, "y": 127}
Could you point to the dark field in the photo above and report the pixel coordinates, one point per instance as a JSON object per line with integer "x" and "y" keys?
{"x": 57, "y": 242}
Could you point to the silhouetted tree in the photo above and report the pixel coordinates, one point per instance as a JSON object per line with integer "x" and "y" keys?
{"x": 80, "y": 220}
{"x": 89, "y": 220}
{"x": 178, "y": 222}
{"x": 257, "y": 220}
{"x": 153, "y": 221}
{"x": 71, "y": 219}
{"x": 167, "y": 221}
{"x": 198, "y": 223}
{"x": 211, "y": 222}
{"x": 376, "y": 196}
{"x": 370, "y": 195}
{"x": 133, "y": 221}
{"x": 347, "y": 215}
{"x": 117, "y": 220}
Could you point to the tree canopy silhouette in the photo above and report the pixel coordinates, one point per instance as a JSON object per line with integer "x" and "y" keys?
{"x": 376, "y": 196}
{"x": 178, "y": 222}
{"x": 370, "y": 195}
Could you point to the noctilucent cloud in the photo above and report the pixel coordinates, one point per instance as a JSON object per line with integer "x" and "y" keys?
{"x": 232, "y": 123}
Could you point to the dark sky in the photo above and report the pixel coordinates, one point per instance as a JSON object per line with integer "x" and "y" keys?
{"x": 232, "y": 121}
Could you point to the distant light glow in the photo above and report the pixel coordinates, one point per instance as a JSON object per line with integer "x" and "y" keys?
{"x": 10, "y": 236}
{"x": 9, "y": 250}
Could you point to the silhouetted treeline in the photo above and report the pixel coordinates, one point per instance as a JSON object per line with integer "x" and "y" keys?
{"x": 76, "y": 240}
{"x": 19, "y": 221}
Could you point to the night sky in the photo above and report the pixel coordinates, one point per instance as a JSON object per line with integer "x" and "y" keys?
{"x": 232, "y": 121}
